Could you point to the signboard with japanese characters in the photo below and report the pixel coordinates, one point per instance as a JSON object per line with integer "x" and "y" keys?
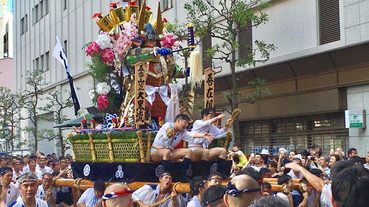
{"x": 140, "y": 94}
{"x": 209, "y": 88}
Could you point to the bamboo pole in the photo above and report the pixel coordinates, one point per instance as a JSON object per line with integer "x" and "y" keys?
{"x": 180, "y": 187}
{"x": 148, "y": 146}
{"x": 92, "y": 147}
{"x": 140, "y": 144}
{"x": 110, "y": 146}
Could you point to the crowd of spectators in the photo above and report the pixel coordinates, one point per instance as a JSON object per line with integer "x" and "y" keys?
{"x": 337, "y": 179}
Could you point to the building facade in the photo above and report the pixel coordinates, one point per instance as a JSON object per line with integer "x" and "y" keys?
{"x": 6, "y": 45}
{"x": 319, "y": 69}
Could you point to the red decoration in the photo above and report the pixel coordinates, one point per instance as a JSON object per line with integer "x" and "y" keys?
{"x": 92, "y": 49}
{"x": 102, "y": 102}
{"x": 98, "y": 14}
{"x": 113, "y": 5}
{"x": 132, "y": 3}
{"x": 107, "y": 56}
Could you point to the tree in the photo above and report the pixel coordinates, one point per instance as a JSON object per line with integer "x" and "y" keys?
{"x": 35, "y": 83}
{"x": 55, "y": 104}
{"x": 10, "y": 105}
{"x": 223, "y": 22}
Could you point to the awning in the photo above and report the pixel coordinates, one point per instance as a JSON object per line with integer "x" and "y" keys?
{"x": 75, "y": 122}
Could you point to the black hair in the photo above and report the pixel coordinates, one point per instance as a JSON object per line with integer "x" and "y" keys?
{"x": 33, "y": 157}
{"x": 182, "y": 117}
{"x": 207, "y": 111}
{"x": 349, "y": 151}
{"x": 273, "y": 164}
{"x": 195, "y": 184}
{"x": 252, "y": 173}
{"x": 340, "y": 166}
{"x": 284, "y": 179}
{"x": 99, "y": 185}
{"x": 213, "y": 195}
{"x": 316, "y": 172}
{"x": 214, "y": 174}
{"x": 5, "y": 169}
{"x": 266, "y": 186}
{"x": 270, "y": 201}
{"x": 356, "y": 159}
{"x": 350, "y": 187}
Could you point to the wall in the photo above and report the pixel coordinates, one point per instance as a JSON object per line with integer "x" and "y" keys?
{"x": 356, "y": 20}
{"x": 358, "y": 99}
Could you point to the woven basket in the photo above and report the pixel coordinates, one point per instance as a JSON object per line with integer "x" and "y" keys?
{"x": 112, "y": 147}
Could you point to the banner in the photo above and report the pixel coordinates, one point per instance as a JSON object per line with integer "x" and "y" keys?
{"x": 140, "y": 93}
{"x": 60, "y": 55}
{"x": 209, "y": 88}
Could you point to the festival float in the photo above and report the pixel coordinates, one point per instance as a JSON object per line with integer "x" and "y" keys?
{"x": 137, "y": 89}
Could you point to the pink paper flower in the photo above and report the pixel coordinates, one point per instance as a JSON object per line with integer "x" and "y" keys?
{"x": 92, "y": 49}
{"x": 107, "y": 56}
{"x": 102, "y": 102}
{"x": 167, "y": 41}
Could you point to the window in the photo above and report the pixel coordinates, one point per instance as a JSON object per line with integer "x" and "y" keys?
{"x": 47, "y": 62}
{"x": 65, "y": 46}
{"x": 65, "y": 2}
{"x": 36, "y": 13}
{"x": 46, "y": 4}
{"x": 36, "y": 64}
{"x": 41, "y": 63}
{"x": 34, "y": 20}
{"x": 166, "y": 5}
{"x": 329, "y": 21}
{"x": 24, "y": 24}
{"x": 6, "y": 40}
{"x": 41, "y": 7}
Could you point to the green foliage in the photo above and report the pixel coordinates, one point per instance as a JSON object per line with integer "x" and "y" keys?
{"x": 260, "y": 91}
{"x": 99, "y": 70}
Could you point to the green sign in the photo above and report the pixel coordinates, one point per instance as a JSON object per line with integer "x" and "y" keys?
{"x": 355, "y": 119}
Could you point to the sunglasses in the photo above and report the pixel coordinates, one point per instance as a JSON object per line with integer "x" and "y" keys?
{"x": 233, "y": 191}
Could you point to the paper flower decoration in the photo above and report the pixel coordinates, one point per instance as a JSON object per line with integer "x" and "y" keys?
{"x": 102, "y": 102}
{"x": 103, "y": 40}
{"x": 107, "y": 56}
{"x": 102, "y": 88}
{"x": 92, "y": 49}
{"x": 167, "y": 41}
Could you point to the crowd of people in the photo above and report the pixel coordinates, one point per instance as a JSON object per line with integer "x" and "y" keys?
{"x": 338, "y": 179}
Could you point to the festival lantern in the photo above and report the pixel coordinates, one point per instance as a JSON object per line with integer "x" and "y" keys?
{"x": 117, "y": 14}
{"x": 131, "y": 9}
{"x": 104, "y": 22}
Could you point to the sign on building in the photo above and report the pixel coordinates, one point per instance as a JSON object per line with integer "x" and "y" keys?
{"x": 355, "y": 119}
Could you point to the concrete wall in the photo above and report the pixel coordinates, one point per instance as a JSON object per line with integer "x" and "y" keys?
{"x": 357, "y": 100}
{"x": 356, "y": 20}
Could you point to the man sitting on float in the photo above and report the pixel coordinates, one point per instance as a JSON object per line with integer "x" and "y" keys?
{"x": 206, "y": 125}
{"x": 169, "y": 135}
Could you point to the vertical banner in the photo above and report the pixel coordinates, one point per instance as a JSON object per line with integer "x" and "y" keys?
{"x": 209, "y": 88}
{"x": 140, "y": 94}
